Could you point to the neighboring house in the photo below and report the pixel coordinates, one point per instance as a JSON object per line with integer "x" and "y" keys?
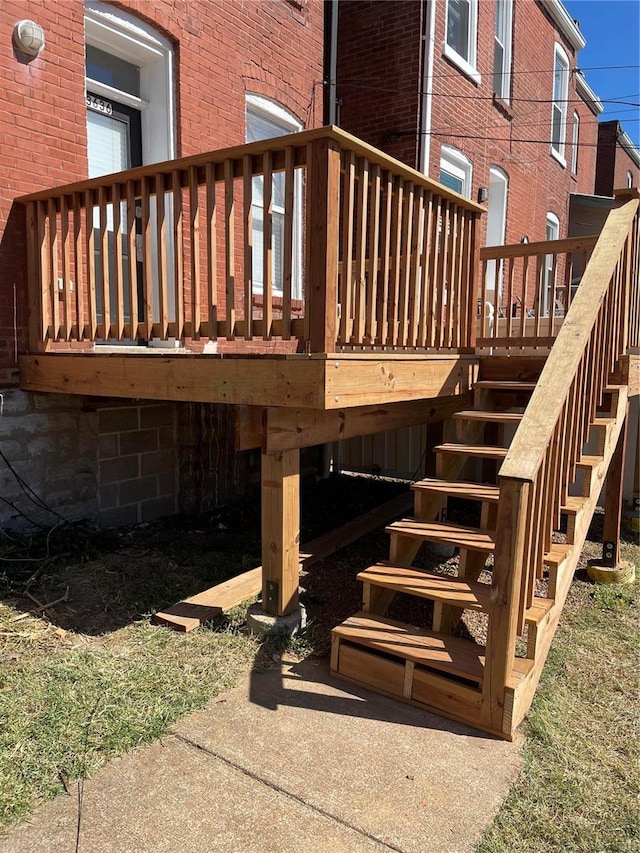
{"x": 618, "y": 161}
{"x": 116, "y": 86}
{"x": 483, "y": 96}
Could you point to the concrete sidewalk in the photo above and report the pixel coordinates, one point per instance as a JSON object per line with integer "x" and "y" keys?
{"x": 289, "y": 761}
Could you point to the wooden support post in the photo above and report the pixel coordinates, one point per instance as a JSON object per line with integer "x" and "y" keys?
{"x": 280, "y": 531}
{"x": 323, "y": 191}
{"x": 613, "y": 502}
{"x": 505, "y": 597}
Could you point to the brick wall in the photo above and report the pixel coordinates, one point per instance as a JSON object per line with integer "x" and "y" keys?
{"x": 124, "y": 463}
{"x": 379, "y": 79}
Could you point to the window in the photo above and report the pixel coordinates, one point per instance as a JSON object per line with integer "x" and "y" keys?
{"x": 559, "y": 105}
{"x": 629, "y": 180}
{"x": 461, "y": 36}
{"x": 574, "y": 146}
{"x": 266, "y": 119}
{"x": 502, "y": 50}
{"x": 552, "y": 233}
{"x": 455, "y": 170}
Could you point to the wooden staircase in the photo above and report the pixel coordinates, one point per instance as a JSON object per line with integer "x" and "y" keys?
{"x": 487, "y": 686}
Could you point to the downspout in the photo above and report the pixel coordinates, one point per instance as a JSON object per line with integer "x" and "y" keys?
{"x": 331, "y": 23}
{"x": 428, "y": 47}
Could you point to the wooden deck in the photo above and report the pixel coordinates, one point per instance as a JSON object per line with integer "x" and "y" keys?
{"x": 320, "y": 381}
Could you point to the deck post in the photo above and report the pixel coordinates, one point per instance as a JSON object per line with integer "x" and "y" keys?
{"x": 323, "y": 193}
{"x": 613, "y": 502}
{"x": 280, "y": 531}
{"x": 503, "y": 615}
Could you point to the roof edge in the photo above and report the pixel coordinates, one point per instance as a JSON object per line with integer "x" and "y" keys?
{"x": 565, "y": 22}
{"x": 588, "y": 95}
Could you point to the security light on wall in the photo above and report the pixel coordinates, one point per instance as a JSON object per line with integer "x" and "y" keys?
{"x": 28, "y": 37}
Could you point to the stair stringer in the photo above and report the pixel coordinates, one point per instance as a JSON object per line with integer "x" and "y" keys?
{"x": 520, "y": 690}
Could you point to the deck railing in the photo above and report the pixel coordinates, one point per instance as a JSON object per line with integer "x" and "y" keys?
{"x": 314, "y": 238}
{"x": 526, "y": 290}
{"x": 601, "y": 325}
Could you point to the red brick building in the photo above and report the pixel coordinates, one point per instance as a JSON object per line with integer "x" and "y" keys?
{"x": 618, "y": 163}
{"x": 483, "y": 96}
{"x": 118, "y": 85}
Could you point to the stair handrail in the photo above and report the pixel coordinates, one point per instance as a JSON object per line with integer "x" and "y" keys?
{"x": 600, "y": 326}
{"x": 534, "y": 432}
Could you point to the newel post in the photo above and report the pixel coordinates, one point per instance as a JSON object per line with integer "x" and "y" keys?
{"x": 513, "y": 520}
{"x": 322, "y": 224}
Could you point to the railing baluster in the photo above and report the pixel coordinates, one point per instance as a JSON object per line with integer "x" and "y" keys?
{"x": 196, "y": 273}
{"x": 161, "y": 250}
{"x": 118, "y": 261}
{"x": 267, "y": 246}
{"x": 79, "y": 327}
{"x": 147, "y": 243}
{"x": 132, "y": 261}
{"x": 346, "y": 288}
{"x": 360, "y": 250}
{"x": 382, "y": 322}
{"x": 65, "y": 248}
{"x": 370, "y": 331}
{"x": 211, "y": 312}
{"x": 247, "y": 202}
{"x": 405, "y": 263}
{"x": 52, "y": 218}
{"x": 290, "y": 215}
{"x": 396, "y": 265}
{"x": 415, "y": 279}
{"x": 178, "y": 257}
{"x": 229, "y": 247}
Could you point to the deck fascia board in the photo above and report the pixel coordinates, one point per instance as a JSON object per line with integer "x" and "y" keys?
{"x": 332, "y": 382}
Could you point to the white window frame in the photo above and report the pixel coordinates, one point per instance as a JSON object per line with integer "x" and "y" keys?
{"x": 467, "y": 64}
{"x": 559, "y": 100}
{"x": 275, "y": 112}
{"x": 552, "y": 233}
{"x": 504, "y": 14}
{"x": 458, "y": 165}
{"x": 575, "y": 143}
{"x": 629, "y": 180}
{"x": 120, "y": 34}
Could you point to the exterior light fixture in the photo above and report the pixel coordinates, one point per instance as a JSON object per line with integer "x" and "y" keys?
{"x": 28, "y": 38}
{"x": 524, "y": 239}
{"x": 483, "y": 195}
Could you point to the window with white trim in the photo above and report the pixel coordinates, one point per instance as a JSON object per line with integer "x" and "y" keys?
{"x": 456, "y": 170}
{"x": 629, "y": 180}
{"x": 266, "y": 119}
{"x": 502, "y": 49}
{"x": 574, "y": 143}
{"x": 552, "y": 233}
{"x": 461, "y": 36}
{"x": 559, "y": 103}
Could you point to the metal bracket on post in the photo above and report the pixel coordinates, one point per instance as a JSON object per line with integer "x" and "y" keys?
{"x": 608, "y": 552}
{"x": 272, "y": 597}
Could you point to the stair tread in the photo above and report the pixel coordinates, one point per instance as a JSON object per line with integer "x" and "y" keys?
{"x": 486, "y": 451}
{"x": 459, "y": 489}
{"x": 420, "y": 582}
{"x": 505, "y": 385}
{"x": 588, "y": 461}
{"x": 538, "y": 610}
{"x": 495, "y": 417}
{"x": 450, "y": 654}
{"x": 457, "y": 535}
{"x": 573, "y": 505}
{"x": 556, "y": 554}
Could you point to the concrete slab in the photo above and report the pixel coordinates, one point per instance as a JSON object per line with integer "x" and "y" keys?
{"x": 417, "y": 782}
{"x": 289, "y": 761}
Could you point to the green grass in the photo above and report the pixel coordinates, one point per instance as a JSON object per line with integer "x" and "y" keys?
{"x": 580, "y": 780}
{"x": 70, "y": 703}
